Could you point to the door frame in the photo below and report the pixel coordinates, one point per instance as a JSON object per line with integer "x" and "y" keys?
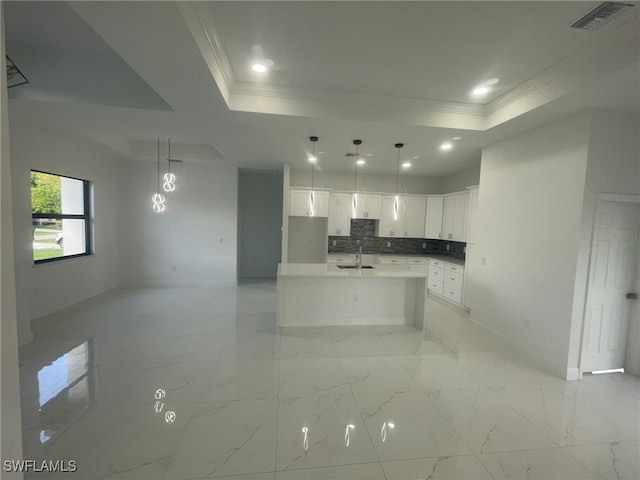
{"x": 601, "y": 197}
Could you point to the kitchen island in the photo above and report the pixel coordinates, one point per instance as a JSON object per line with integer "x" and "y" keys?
{"x": 312, "y": 294}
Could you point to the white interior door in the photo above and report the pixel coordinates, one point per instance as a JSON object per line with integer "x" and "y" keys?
{"x": 611, "y": 277}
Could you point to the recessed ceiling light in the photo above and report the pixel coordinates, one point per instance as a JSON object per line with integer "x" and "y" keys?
{"x": 481, "y": 90}
{"x": 446, "y": 146}
{"x": 406, "y": 164}
{"x": 313, "y": 159}
{"x": 360, "y": 161}
{"x": 320, "y": 153}
{"x": 415, "y": 158}
{"x": 492, "y": 81}
{"x": 456, "y": 138}
{"x": 369, "y": 154}
{"x": 262, "y": 65}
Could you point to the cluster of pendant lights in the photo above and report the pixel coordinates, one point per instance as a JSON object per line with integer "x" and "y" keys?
{"x": 354, "y": 204}
{"x": 169, "y": 182}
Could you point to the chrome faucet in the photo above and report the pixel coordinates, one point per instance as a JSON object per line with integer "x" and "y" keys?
{"x": 359, "y": 256}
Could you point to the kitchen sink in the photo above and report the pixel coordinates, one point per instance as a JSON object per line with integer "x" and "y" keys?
{"x": 352, "y": 267}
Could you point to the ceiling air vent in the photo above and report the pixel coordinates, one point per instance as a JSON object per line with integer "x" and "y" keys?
{"x": 601, "y": 15}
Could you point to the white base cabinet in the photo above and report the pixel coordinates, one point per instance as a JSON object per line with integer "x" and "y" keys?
{"x": 446, "y": 280}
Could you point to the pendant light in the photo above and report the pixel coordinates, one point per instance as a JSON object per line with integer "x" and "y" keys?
{"x": 312, "y": 159}
{"x": 396, "y": 200}
{"x": 354, "y": 201}
{"x": 169, "y": 178}
{"x": 158, "y": 199}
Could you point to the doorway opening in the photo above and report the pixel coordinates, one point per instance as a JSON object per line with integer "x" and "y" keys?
{"x": 259, "y": 224}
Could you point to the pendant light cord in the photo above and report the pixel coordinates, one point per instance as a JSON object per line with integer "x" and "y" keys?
{"x": 313, "y": 149}
{"x": 398, "y": 146}
{"x": 355, "y": 177}
{"x": 158, "y": 164}
{"x": 169, "y": 156}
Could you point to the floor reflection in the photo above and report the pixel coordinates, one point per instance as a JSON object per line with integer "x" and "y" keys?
{"x": 66, "y": 390}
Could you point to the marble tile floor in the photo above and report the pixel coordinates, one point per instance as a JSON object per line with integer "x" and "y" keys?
{"x": 173, "y": 383}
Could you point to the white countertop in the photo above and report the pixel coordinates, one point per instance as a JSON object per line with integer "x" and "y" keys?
{"x": 442, "y": 258}
{"x": 330, "y": 270}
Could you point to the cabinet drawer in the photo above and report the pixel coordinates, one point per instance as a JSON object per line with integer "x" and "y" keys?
{"x": 453, "y": 294}
{"x": 417, "y": 261}
{"x": 453, "y": 279}
{"x": 435, "y": 286}
{"x": 450, "y": 267}
{"x": 393, "y": 260}
{"x": 339, "y": 259}
{"x": 436, "y": 274}
{"x": 436, "y": 263}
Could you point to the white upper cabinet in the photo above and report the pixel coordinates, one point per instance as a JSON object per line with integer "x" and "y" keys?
{"x": 389, "y": 225}
{"x": 414, "y": 216}
{"x": 455, "y": 217}
{"x": 472, "y": 230}
{"x": 368, "y": 206}
{"x": 339, "y": 223}
{"x": 433, "y": 220}
{"x": 410, "y": 217}
{"x": 300, "y": 204}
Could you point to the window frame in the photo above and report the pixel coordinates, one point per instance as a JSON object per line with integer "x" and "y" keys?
{"x": 86, "y": 216}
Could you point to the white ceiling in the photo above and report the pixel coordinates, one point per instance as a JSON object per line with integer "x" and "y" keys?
{"x": 384, "y": 72}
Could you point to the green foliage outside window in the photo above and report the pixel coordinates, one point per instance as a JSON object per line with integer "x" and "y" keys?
{"x": 45, "y": 193}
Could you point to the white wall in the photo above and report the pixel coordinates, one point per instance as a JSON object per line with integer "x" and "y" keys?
{"x": 458, "y": 182}
{"x": 613, "y": 167}
{"x": 10, "y": 414}
{"x": 49, "y": 287}
{"x": 372, "y": 183}
{"x": 531, "y": 192}
{"x": 194, "y": 241}
{"x": 259, "y": 222}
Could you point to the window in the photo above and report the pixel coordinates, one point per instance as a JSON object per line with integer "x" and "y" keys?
{"x": 60, "y": 212}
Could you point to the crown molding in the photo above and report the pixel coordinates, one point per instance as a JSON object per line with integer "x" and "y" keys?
{"x": 608, "y": 55}
{"x": 202, "y": 27}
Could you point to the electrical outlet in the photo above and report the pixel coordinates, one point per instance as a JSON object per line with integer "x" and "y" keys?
{"x": 388, "y": 244}
{"x": 483, "y": 261}
{"x": 527, "y": 324}
{"x": 221, "y": 240}
{"x": 448, "y": 246}
{"x": 334, "y": 243}
{"x": 424, "y": 245}
{"x": 355, "y": 298}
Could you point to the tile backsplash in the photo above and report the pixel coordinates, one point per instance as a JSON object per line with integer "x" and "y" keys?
{"x": 365, "y": 231}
